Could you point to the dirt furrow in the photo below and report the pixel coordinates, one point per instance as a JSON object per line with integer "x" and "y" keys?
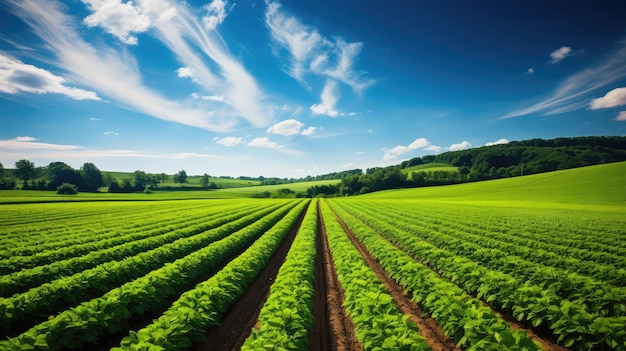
{"x": 547, "y": 341}
{"x": 428, "y": 327}
{"x": 340, "y": 327}
{"x": 238, "y": 322}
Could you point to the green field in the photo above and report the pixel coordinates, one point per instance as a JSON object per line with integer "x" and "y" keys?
{"x": 117, "y": 272}
{"x": 593, "y": 185}
{"x": 431, "y": 167}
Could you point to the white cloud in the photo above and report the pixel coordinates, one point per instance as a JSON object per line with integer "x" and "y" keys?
{"x": 24, "y": 138}
{"x": 185, "y": 72}
{"x": 560, "y": 53}
{"x": 460, "y": 146}
{"x": 116, "y": 75}
{"x": 229, "y": 141}
{"x": 614, "y": 98}
{"x": 530, "y": 71}
{"x": 216, "y": 13}
{"x": 329, "y": 100}
{"x": 110, "y": 133}
{"x": 16, "y": 77}
{"x": 347, "y": 165}
{"x": 497, "y": 142}
{"x": 123, "y": 19}
{"x": 309, "y": 131}
{"x": 26, "y": 143}
{"x": 310, "y": 52}
{"x": 433, "y": 148}
{"x": 263, "y": 142}
{"x": 287, "y": 127}
{"x": 95, "y": 119}
{"x": 419, "y": 143}
{"x": 573, "y": 93}
{"x": 219, "y": 98}
{"x": 621, "y": 116}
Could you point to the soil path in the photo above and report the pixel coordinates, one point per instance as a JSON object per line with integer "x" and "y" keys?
{"x": 428, "y": 327}
{"x": 340, "y": 327}
{"x": 242, "y": 316}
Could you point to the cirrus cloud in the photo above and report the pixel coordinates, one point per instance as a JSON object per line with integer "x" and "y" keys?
{"x": 16, "y": 76}
{"x": 559, "y": 54}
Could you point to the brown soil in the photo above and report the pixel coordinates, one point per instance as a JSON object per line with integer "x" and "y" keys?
{"x": 319, "y": 336}
{"x": 242, "y": 316}
{"x": 547, "y": 342}
{"x": 428, "y": 327}
{"x": 340, "y": 327}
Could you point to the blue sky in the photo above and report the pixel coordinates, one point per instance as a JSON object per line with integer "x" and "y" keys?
{"x": 297, "y": 88}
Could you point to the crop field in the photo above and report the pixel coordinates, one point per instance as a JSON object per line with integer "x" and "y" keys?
{"x": 418, "y": 269}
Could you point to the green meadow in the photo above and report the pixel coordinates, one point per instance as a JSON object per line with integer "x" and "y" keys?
{"x": 600, "y": 186}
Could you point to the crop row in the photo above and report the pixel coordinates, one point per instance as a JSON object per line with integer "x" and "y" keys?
{"x": 112, "y": 312}
{"x": 599, "y": 297}
{"x": 570, "y": 321}
{"x": 464, "y": 318}
{"x": 56, "y": 234}
{"x": 196, "y": 310}
{"x": 37, "y": 303}
{"x": 69, "y": 249}
{"x": 21, "y": 281}
{"x": 378, "y": 322}
{"x": 287, "y": 317}
{"x": 532, "y": 230}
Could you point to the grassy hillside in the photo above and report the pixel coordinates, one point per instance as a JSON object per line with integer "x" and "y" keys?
{"x": 593, "y": 185}
{"x": 431, "y": 167}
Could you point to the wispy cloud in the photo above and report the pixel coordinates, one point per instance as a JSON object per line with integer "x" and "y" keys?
{"x": 574, "y": 92}
{"x": 110, "y": 133}
{"x": 419, "y": 143}
{"x": 16, "y": 77}
{"x": 497, "y": 142}
{"x": 95, "y": 119}
{"x": 460, "y": 146}
{"x": 228, "y": 141}
{"x": 529, "y": 71}
{"x": 114, "y": 73}
{"x": 312, "y": 54}
{"x": 614, "y": 98}
{"x": 329, "y": 100}
{"x": 27, "y": 143}
{"x": 621, "y": 116}
{"x": 559, "y": 54}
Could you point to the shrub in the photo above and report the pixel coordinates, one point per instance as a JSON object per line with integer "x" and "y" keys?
{"x": 67, "y": 189}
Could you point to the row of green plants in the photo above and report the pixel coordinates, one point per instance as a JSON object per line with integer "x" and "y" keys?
{"x": 558, "y": 232}
{"x": 287, "y": 317}
{"x": 570, "y": 321}
{"x": 462, "y": 317}
{"x": 93, "y": 321}
{"x": 23, "y": 280}
{"x": 599, "y": 297}
{"x": 188, "y": 318}
{"x": 112, "y": 241}
{"x": 378, "y": 322}
{"x": 38, "y": 303}
{"x": 55, "y": 233}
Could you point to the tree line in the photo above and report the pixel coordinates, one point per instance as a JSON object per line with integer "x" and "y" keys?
{"x": 489, "y": 162}
{"x": 64, "y": 179}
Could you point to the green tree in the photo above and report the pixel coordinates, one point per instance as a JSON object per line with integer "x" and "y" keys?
{"x": 141, "y": 180}
{"x": 205, "y": 180}
{"x": 59, "y": 173}
{"x": 163, "y": 178}
{"x": 25, "y": 170}
{"x": 180, "y": 177}
{"x": 67, "y": 189}
{"x": 92, "y": 177}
